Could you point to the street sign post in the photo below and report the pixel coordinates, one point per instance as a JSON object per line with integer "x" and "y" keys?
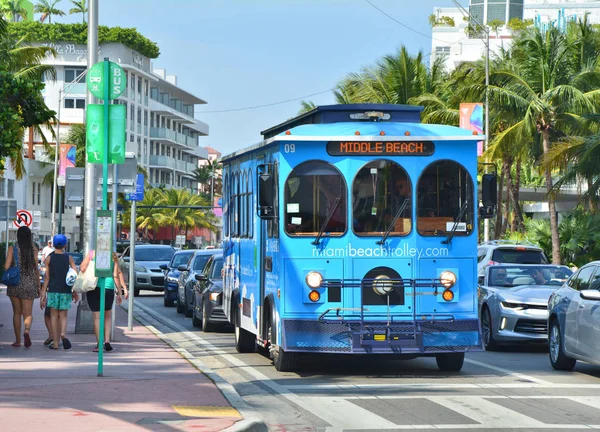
{"x": 133, "y": 195}
{"x": 138, "y": 194}
{"x": 106, "y": 81}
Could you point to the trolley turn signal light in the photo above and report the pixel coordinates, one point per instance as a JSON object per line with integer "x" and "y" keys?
{"x": 448, "y": 295}
{"x": 314, "y": 296}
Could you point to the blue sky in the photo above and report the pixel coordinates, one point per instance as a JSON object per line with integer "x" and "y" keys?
{"x": 241, "y": 53}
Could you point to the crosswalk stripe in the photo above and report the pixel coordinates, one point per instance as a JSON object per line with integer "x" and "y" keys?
{"x": 592, "y": 401}
{"x": 485, "y": 412}
{"x": 342, "y": 414}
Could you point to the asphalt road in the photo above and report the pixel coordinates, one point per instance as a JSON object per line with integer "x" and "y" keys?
{"x": 515, "y": 388}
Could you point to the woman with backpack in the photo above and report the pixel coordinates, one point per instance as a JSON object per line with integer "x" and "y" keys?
{"x": 23, "y": 256}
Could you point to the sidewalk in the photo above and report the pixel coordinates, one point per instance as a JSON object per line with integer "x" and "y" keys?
{"x": 146, "y": 385}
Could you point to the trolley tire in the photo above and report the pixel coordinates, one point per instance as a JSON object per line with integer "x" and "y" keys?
{"x": 450, "y": 362}
{"x": 285, "y": 361}
{"x": 245, "y": 342}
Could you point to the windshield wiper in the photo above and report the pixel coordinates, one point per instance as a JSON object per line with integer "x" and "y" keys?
{"x": 327, "y": 219}
{"x": 463, "y": 209}
{"x": 393, "y": 222}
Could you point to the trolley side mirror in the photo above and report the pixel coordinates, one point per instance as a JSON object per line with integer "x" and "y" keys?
{"x": 489, "y": 196}
{"x": 266, "y": 196}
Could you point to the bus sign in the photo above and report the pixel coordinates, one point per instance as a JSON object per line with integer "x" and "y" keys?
{"x": 383, "y": 148}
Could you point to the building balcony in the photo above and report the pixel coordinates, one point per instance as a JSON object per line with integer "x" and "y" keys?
{"x": 186, "y": 118}
{"x": 75, "y": 88}
{"x": 164, "y": 162}
{"x": 183, "y": 142}
{"x": 158, "y": 185}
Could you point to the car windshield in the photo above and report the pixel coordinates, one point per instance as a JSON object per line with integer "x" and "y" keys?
{"x": 181, "y": 258}
{"x": 154, "y": 254}
{"x": 519, "y": 256}
{"x": 528, "y": 275}
{"x": 200, "y": 261}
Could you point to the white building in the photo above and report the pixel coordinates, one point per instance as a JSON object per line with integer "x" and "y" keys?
{"x": 454, "y": 43}
{"x": 161, "y": 128}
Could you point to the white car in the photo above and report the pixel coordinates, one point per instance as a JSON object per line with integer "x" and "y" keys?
{"x": 507, "y": 252}
{"x": 574, "y": 319}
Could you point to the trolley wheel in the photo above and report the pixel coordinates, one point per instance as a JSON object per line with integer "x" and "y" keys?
{"x": 284, "y": 361}
{"x": 450, "y": 362}
{"x": 245, "y": 342}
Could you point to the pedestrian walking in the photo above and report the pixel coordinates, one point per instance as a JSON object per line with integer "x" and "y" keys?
{"x": 56, "y": 293}
{"x": 111, "y": 286}
{"x": 23, "y": 255}
{"x": 48, "y": 249}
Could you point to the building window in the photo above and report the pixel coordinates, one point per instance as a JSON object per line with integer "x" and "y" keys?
{"x": 77, "y": 103}
{"x": 71, "y": 74}
{"x": 2, "y": 187}
{"x": 11, "y": 188}
{"x": 139, "y": 85}
{"x": 33, "y": 193}
{"x": 139, "y": 115}
{"x": 442, "y": 51}
{"x": 131, "y": 138}
{"x": 39, "y": 193}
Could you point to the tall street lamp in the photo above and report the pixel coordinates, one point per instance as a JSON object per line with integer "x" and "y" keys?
{"x": 486, "y": 40}
{"x": 62, "y": 93}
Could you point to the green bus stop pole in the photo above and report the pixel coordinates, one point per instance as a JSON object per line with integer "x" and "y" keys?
{"x": 107, "y": 83}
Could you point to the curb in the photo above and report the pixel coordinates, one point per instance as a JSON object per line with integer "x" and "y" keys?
{"x": 248, "y": 425}
{"x": 249, "y": 422}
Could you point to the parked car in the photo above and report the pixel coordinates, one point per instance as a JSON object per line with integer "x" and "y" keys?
{"x": 187, "y": 278}
{"x": 208, "y": 296}
{"x": 513, "y": 301}
{"x": 148, "y": 259}
{"x": 508, "y": 252}
{"x": 172, "y": 275}
{"x": 574, "y": 319}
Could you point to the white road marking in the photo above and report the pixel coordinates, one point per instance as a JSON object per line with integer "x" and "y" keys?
{"x": 342, "y": 414}
{"x": 509, "y": 372}
{"x": 456, "y": 386}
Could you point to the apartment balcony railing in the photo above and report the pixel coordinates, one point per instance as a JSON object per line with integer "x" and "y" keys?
{"x": 174, "y": 137}
{"x": 162, "y": 161}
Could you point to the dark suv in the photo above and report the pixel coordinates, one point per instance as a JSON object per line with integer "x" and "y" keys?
{"x": 187, "y": 278}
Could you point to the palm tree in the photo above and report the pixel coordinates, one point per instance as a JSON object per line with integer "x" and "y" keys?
{"x": 48, "y": 8}
{"x": 306, "y": 107}
{"x": 147, "y": 219}
{"x": 14, "y": 9}
{"x": 549, "y": 94}
{"x": 202, "y": 176}
{"x": 80, "y": 7}
{"x": 182, "y": 217}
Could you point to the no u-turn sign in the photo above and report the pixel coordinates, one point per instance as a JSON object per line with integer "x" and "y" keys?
{"x": 24, "y": 218}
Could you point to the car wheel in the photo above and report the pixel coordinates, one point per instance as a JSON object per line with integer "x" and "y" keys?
{"x": 180, "y": 304}
{"x": 488, "y": 334}
{"x": 186, "y": 307}
{"x": 136, "y": 292}
{"x": 556, "y": 346}
{"x": 195, "y": 321}
{"x": 450, "y": 362}
{"x": 167, "y": 301}
{"x": 207, "y": 326}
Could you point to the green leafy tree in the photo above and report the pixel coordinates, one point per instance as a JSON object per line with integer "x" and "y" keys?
{"x": 13, "y": 9}
{"x": 48, "y": 8}
{"x": 80, "y": 8}
{"x": 306, "y": 107}
{"x": 516, "y": 24}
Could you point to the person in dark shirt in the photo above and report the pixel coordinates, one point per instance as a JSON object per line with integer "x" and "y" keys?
{"x": 56, "y": 294}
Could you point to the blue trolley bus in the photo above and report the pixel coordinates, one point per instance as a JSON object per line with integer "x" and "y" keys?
{"x": 352, "y": 229}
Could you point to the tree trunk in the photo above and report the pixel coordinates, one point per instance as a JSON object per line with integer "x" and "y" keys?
{"x": 518, "y": 225}
{"x": 593, "y": 199}
{"x": 498, "y": 225}
{"x": 551, "y": 202}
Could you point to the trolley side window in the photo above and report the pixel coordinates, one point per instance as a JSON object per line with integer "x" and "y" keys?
{"x": 381, "y": 195}
{"x": 311, "y": 197}
{"x": 445, "y": 196}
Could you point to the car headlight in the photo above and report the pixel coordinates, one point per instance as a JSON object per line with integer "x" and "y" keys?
{"x": 314, "y": 279}
{"x": 172, "y": 279}
{"x": 448, "y": 279}
{"x": 213, "y": 297}
{"x": 509, "y": 305}
{"x": 140, "y": 268}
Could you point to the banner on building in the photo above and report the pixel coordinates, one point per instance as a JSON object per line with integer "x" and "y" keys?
{"x": 471, "y": 118}
{"x": 218, "y": 206}
{"x": 66, "y": 159}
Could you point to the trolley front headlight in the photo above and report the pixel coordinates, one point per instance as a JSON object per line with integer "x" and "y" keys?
{"x": 447, "y": 279}
{"x": 314, "y": 279}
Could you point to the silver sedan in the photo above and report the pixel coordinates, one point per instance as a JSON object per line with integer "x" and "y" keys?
{"x": 513, "y": 301}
